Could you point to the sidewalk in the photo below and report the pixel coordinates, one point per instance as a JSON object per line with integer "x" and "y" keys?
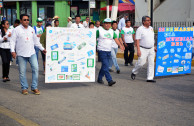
{"x": 120, "y": 54}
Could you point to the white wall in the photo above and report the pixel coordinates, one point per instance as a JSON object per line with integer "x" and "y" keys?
{"x": 168, "y": 11}
{"x": 141, "y": 9}
{"x": 173, "y": 10}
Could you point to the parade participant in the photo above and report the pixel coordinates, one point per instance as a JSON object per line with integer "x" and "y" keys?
{"x": 128, "y": 36}
{"x": 5, "y": 35}
{"x": 145, "y": 49}
{"x": 81, "y": 21}
{"x": 193, "y": 43}
{"x": 43, "y": 42}
{"x": 91, "y": 25}
{"x": 114, "y": 49}
{"x": 39, "y": 29}
{"x": 22, "y": 43}
{"x": 86, "y": 22}
{"x": 97, "y": 25}
{"x": 56, "y": 23}
{"x": 69, "y": 19}
{"x": 105, "y": 37}
{"x": 54, "y": 18}
{"x": 11, "y": 28}
{"x": 122, "y": 22}
{"x": 77, "y": 23}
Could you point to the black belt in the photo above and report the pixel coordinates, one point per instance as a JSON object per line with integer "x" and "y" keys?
{"x": 145, "y": 47}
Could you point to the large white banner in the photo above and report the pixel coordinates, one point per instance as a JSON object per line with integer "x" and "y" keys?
{"x": 70, "y": 55}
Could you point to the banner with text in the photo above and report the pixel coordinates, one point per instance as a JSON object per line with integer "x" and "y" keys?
{"x": 174, "y": 51}
{"x": 70, "y": 55}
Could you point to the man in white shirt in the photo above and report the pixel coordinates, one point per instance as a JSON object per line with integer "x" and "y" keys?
{"x": 77, "y": 23}
{"x": 22, "y": 43}
{"x": 97, "y": 25}
{"x": 128, "y": 36}
{"x": 69, "y": 19}
{"x": 122, "y": 22}
{"x": 145, "y": 49}
{"x": 105, "y": 37}
{"x": 86, "y": 22}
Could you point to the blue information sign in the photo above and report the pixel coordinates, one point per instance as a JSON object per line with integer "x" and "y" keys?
{"x": 174, "y": 51}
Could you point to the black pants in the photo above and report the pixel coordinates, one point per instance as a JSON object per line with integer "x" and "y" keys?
{"x": 6, "y": 58}
{"x": 130, "y": 48}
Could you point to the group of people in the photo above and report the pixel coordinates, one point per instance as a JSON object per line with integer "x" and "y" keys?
{"x": 23, "y": 42}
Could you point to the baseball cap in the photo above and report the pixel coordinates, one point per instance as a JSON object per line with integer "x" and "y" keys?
{"x": 69, "y": 18}
{"x": 107, "y": 20}
{"x": 39, "y": 20}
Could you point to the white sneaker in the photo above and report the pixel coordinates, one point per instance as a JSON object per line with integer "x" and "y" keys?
{"x": 10, "y": 63}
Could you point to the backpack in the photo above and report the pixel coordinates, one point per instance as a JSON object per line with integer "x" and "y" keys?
{"x": 41, "y": 27}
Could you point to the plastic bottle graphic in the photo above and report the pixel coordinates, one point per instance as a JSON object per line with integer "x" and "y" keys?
{"x": 81, "y": 46}
{"x": 60, "y": 61}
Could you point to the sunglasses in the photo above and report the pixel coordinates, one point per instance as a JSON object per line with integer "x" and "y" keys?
{"x": 26, "y": 20}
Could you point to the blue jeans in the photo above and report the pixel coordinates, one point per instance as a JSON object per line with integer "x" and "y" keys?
{"x": 22, "y": 62}
{"x": 113, "y": 59}
{"x": 104, "y": 57}
{"x": 37, "y": 51}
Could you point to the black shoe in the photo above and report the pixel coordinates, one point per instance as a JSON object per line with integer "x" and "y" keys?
{"x": 110, "y": 70}
{"x": 126, "y": 64}
{"x": 111, "y": 83}
{"x": 131, "y": 64}
{"x": 4, "y": 80}
{"x": 118, "y": 71}
{"x": 152, "y": 81}
{"x": 7, "y": 79}
{"x": 133, "y": 76}
{"x": 100, "y": 81}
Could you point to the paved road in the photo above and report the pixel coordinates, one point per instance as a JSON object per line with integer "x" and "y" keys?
{"x": 169, "y": 102}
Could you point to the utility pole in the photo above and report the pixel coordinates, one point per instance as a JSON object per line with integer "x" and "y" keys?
{"x": 151, "y": 12}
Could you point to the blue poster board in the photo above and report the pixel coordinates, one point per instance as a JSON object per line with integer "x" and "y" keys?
{"x": 174, "y": 51}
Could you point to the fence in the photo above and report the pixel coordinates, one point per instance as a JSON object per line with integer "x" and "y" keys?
{"x": 156, "y": 25}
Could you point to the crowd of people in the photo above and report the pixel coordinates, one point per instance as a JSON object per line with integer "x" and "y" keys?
{"x": 23, "y": 43}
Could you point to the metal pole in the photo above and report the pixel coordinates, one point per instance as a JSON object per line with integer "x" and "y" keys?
{"x": 151, "y": 12}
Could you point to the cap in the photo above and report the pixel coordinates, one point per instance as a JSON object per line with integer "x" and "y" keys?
{"x": 107, "y": 20}
{"x": 69, "y": 18}
{"x": 39, "y": 20}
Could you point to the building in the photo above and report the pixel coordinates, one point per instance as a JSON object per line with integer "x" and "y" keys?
{"x": 166, "y": 10}
{"x": 49, "y": 8}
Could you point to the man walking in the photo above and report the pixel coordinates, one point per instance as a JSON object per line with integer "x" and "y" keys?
{"x": 114, "y": 49}
{"x": 39, "y": 29}
{"x": 69, "y": 19}
{"x": 145, "y": 49}
{"x": 22, "y": 43}
{"x": 122, "y": 22}
{"x": 128, "y": 36}
{"x": 105, "y": 37}
{"x": 77, "y": 23}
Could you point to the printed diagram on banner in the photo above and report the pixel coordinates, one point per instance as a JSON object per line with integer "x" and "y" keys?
{"x": 70, "y": 55}
{"x": 174, "y": 51}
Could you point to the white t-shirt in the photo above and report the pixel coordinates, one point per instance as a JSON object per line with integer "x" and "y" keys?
{"x": 74, "y": 25}
{"x": 86, "y": 25}
{"x": 146, "y": 36}
{"x": 114, "y": 44}
{"x": 128, "y": 34}
{"x": 3, "y": 44}
{"x": 105, "y": 39}
{"x": 39, "y": 31}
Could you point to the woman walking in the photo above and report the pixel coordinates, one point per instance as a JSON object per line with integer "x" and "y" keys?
{"x": 5, "y": 36}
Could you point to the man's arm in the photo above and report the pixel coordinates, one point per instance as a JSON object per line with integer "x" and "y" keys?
{"x": 138, "y": 48}
{"x": 13, "y": 43}
{"x": 123, "y": 38}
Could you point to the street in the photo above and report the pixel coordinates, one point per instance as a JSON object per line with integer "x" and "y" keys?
{"x": 168, "y": 102}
